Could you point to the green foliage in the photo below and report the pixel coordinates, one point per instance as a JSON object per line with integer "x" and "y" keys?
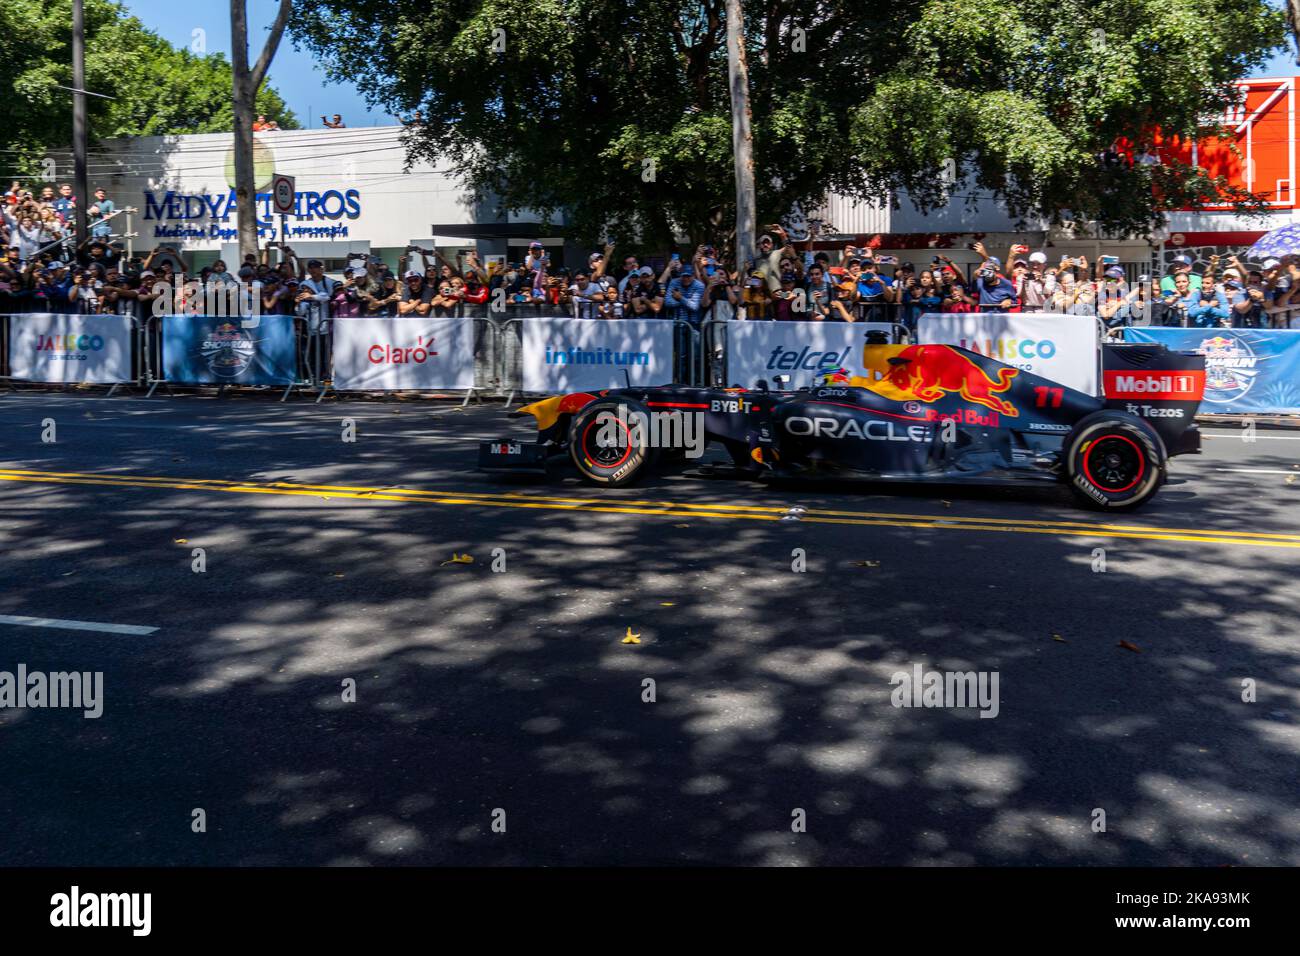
{"x": 157, "y": 88}
{"x": 850, "y": 97}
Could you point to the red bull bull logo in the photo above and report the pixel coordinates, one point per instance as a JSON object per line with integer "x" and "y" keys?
{"x": 928, "y": 372}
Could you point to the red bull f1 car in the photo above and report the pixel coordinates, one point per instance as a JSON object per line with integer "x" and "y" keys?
{"x": 920, "y": 413}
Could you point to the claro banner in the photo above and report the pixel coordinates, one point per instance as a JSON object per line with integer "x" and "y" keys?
{"x": 387, "y": 354}
{"x": 44, "y": 347}
{"x": 1063, "y": 348}
{"x": 569, "y": 355}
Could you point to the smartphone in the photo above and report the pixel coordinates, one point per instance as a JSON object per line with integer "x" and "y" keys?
{"x": 676, "y": 257}
{"x": 1110, "y": 260}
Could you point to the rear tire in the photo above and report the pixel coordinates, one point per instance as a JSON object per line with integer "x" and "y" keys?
{"x": 611, "y": 465}
{"x": 1114, "y": 461}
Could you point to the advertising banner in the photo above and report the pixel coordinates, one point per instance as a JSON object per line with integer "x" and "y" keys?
{"x": 1247, "y": 371}
{"x": 44, "y": 347}
{"x": 801, "y": 350}
{"x": 1063, "y": 348}
{"x": 388, "y": 354}
{"x": 570, "y": 355}
{"x": 220, "y": 350}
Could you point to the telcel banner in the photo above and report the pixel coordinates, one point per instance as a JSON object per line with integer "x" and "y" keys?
{"x": 216, "y": 350}
{"x": 801, "y": 350}
{"x": 569, "y": 355}
{"x": 44, "y": 347}
{"x": 1251, "y": 371}
{"x": 1063, "y": 348}
{"x": 386, "y": 354}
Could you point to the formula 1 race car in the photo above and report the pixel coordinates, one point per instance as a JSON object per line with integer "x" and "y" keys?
{"x": 922, "y": 413}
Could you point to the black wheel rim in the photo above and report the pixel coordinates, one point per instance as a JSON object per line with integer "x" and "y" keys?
{"x": 1114, "y": 463}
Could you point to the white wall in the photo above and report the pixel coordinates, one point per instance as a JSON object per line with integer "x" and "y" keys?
{"x": 392, "y": 204}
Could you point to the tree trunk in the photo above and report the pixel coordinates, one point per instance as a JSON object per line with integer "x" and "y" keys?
{"x": 742, "y": 141}
{"x": 245, "y": 83}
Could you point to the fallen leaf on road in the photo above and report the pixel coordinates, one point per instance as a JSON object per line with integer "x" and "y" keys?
{"x": 946, "y": 504}
{"x": 338, "y": 574}
{"x": 866, "y": 564}
{"x": 1130, "y": 647}
{"x": 667, "y": 604}
{"x": 632, "y": 638}
{"x": 1290, "y": 479}
{"x": 1058, "y": 637}
{"x": 182, "y": 540}
{"x": 681, "y": 526}
{"x": 458, "y": 559}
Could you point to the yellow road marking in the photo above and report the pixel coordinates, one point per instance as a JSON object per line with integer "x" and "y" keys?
{"x": 660, "y": 508}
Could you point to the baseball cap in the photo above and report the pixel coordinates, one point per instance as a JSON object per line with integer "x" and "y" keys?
{"x": 313, "y": 264}
{"x": 997, "y": 263}
{"x": 1019, "y": 262}
{"x": 56, "y": 264}
{"x": 1114, "y": 272}
{"x": 645, "y": 271}
{"x": 147, "y": 274}
{"x": 1038, "y": 257}
{"x": 687, "y": 270}
{"x": 412, "y": 274}
{"x": 1271, "y": 263}
{"x": 1231, "y": 272}
{"x": 1182, "y": 261}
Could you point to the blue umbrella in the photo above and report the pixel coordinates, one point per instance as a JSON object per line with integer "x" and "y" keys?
{"x": 1276, "y": 244}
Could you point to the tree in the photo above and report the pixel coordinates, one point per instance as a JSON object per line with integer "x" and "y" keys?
{"x": 245, "y": 83}
{"x": 563, "y": 104}
{"x": 157, "y": 88}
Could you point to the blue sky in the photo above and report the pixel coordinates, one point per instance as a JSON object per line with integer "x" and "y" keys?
{"x": 303, "y": 86}
{"x": 293, "y": 73}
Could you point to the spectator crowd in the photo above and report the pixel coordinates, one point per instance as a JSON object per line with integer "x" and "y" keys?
{"x": 44, "y": 268}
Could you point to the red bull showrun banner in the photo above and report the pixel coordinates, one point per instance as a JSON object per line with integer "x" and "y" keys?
{"x": 391, "y": 354}
{"x": 572, "y": 355}
{"x": 1247, "y": 371}
{"x": 228, "y": 350}
{"x": 1063, "y": 348}
{"x": 44, "y": 347}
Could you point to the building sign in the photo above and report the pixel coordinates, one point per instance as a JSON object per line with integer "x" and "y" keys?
{"x": 212, "y": 215}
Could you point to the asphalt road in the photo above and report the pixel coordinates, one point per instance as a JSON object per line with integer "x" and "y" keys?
{"x": 479, "y": 690}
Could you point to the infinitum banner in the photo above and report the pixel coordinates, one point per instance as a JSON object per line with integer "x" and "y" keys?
{"x": 569, "y": 355}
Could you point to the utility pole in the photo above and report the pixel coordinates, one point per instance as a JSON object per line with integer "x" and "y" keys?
{"x": 742, "y": 140}
{"x": 245, "y": 82}
{"x": 80, "y": 187}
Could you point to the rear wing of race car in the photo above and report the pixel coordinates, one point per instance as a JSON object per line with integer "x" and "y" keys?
{"x": 1162, "y": 387}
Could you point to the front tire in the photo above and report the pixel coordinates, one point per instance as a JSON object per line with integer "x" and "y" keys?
{"x": 1114, "y": 461}
{"x": 605, "y": 446}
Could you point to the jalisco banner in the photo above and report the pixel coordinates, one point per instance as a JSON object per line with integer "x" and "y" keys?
{"x": 44, "y": 347}
{"x": 569, "y": 355}
{"x": 1250, "y": 371}
{"x": 216, "y": 350}
{"x": 1063, "y": 348}
{"x": 383, "y": 354}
